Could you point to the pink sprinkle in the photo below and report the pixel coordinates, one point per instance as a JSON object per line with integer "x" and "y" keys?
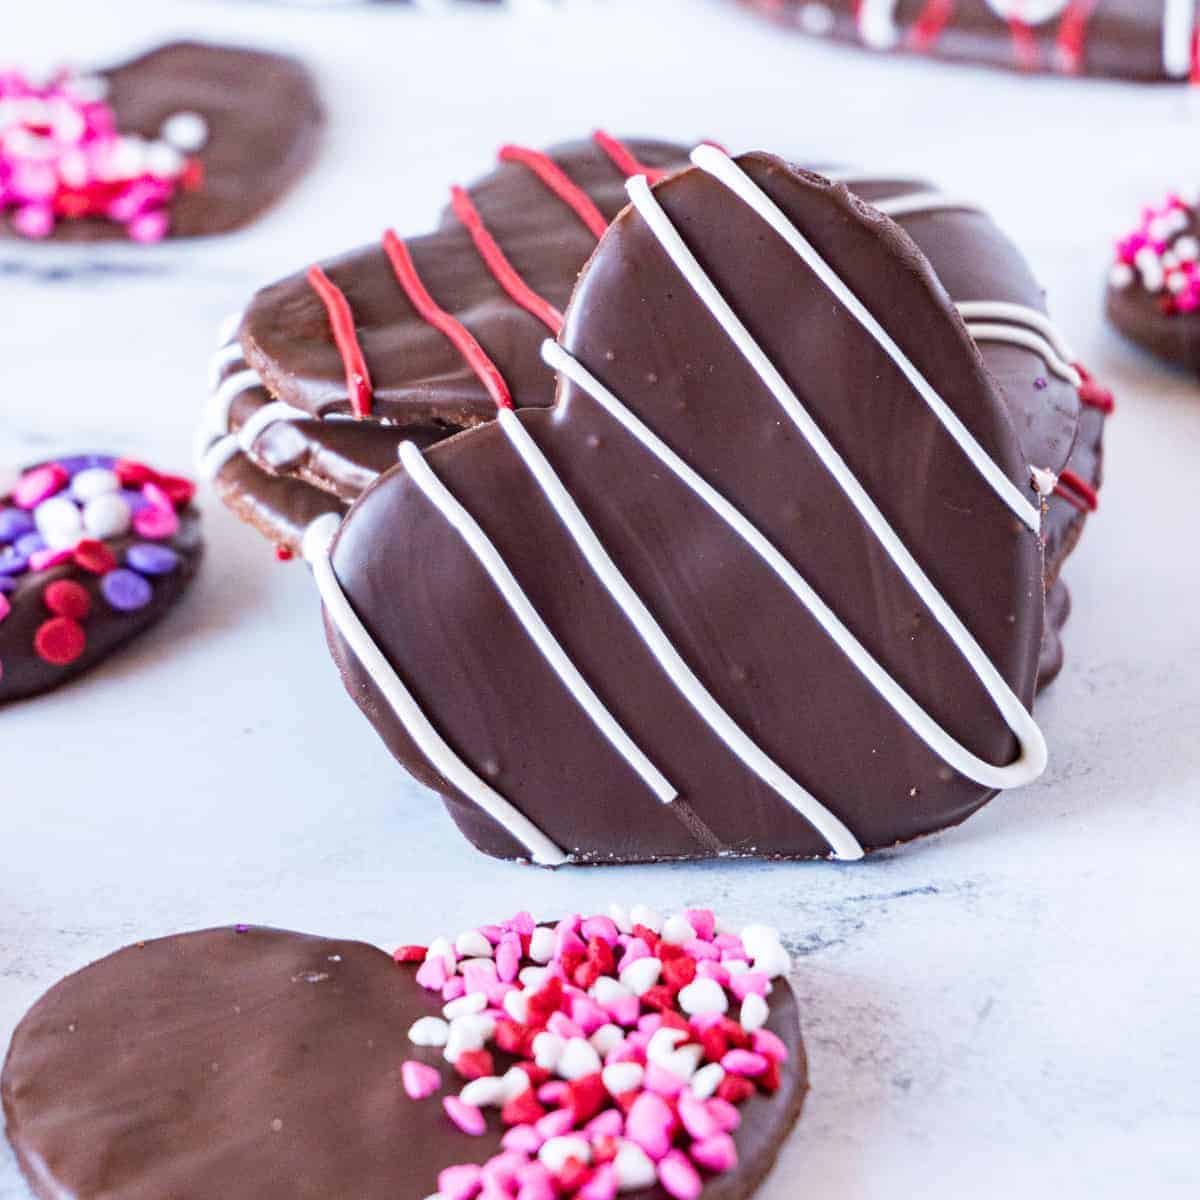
{"x": 524, "y": 1139}
{"x": 148, "y": 227}
{"x": 562, "y": 1025}
{"x": 537, "y": 1184}
{"x": 635, "y": 949}
{"x": 707, "y": 969}
{"x": 420, "y": 1080}
{"x": 466, "y": 1116}
{"x": 461, "y": 1182}
{"x": 770, "y": 1045}
{"x": 625, "y": 1052}
{"x": 156, "y": 523}
{"x": 702, "y": 950}
{"x": 678, "y": 1177}
{"x": 453, "y": 988}
{"x": 702, "y": 1021}
{"x": 725, "y": 1114}
{"x": 39, "y": 484}
{"x": 601, "y": 927}
{"x": 496, "y": 993}
{"x": 478, "y": 975}
{"x": 651, "y": 1124}
{"x": 501, "y": 1171}
{"x": 745, "y": 1062}
{"x": 554, "y": 1092}
{"x": 34, "y": 220}
{"x": 587, "y": 1014}
{"x": 556, "y": 1123}
{"x": 5, "y": 606}
{"x": 703, "y": 922}
{"x": 568, "y": 942}
{"x": 717, "y": 1153}
{"x": 624, "y": 1011}
{"x": 432, "y": 973}
{"x": 665, "y": 1083}
{"x": 650, "y": 1023}
{"x": 508, "y": 958}
{"x": 43, "y": 560}
{"x": 601, "y": 1186}
{"x": 610, "y": 1123}
{"x": 522, "y": 924}
{"x": 757, "y": 983}
{"x": 696, "y": 1118}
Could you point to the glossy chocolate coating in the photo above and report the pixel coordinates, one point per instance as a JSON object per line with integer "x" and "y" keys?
{"x": 265, "y": 1065}
{"x": 636, "y": 323}
{"x": 263, "y": 121}
{"x": 1122, "y": 38}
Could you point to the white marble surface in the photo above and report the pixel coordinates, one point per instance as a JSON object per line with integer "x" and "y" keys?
{"x": 1007, "y": 1009}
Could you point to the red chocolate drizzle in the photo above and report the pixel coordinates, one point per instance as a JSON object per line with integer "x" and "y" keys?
{"x": 1076, "y": 491}
{"x": 624, "y": 159}
{"x": 560, "y": 183}
{"x": 341, "y": 321}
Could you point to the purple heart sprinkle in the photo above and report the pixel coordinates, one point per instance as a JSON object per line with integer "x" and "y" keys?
{"x": 151, "y": 559}
{"x": 126, "y": 591}
{"x": 13, "y": 523}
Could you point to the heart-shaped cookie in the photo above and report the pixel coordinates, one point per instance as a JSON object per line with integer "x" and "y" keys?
{"x": 93, "y": 551}
{"x": 185, "y": 140}
{"x": 767, "y": 579}
{"x": 258, "y": 435}
{"x": 578, "y": 1060}
{"x": 1147, "y": 40}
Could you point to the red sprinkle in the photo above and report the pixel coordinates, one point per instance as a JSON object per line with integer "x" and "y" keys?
{"x": 410, "y": 954}
{"x": 66, "y": 598}
{"x": 522, "y": 1110}
{"x": 60, "y": 641}
{"x": 475, "y": 1064}
{"x": 94, "y": 557}
{"x": 733, "y": 1089}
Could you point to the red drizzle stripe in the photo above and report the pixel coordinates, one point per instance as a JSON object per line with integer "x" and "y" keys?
{"x": 1194, "y": 75}
{"x": 1092, "y": 394}
{"x": 1077, "y": 492}
{"x": 341, "y": 321}
{"x": 624, "y": 159}
{"x": 930, "y": 22}
{"x": 1072, "y": 35}
{"x": 506, "y": 274}
{"x": 557, "y": 180}
{"x": 453, "y": 329}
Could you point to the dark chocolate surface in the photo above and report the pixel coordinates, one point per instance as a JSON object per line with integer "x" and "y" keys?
{"x": 634, "y": 322}
{"x": 263, "y": 119}
{"x": 1121, "y": 38}
{"x": 265, "y": 1065}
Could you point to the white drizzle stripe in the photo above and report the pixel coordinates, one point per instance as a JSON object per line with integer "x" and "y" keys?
{"x": 920, "y": 202}
{"x": 918, "y": 720}
{"x": 229, "y": 327}
{"x": 1178, "y": 20}
{"x": 318, "y": 539}
{"x": 723, "y": 168}
{"x": 227, "y": 356}
{"x": 1032, "y": 759}
{"x": 263, "y": 418}
{"x": 490, "y": 559}
{"x": 983, "y": 332}
{"x": 226, "y": 394}
{"x": 1019, "y": 314}
{"x": 216, "y": 456}
{"x": 843, "y": 843}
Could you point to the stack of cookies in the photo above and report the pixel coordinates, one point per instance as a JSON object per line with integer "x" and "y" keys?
{"x": 729, "y": 521}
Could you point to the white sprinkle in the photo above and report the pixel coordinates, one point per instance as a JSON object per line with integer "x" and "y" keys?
{"x": 548, "y": 1050}
{"x": 677, "y": 930}
{"x": 516, "y": 1004}
{"x": 472, "y": 944}
{"x": 532, "y": 977}
{"x": 703, "y": 996}
{"x": 579, "y": 1058}
{"x": 186, "y": 131}
{"x": 816, "y": 19}
{"x": 515, "y": 1082}
{"x": 663, "y": 1042}
{"x": 541, "y": 944}
{"x": 486, "y": 1092}
{"x": 706, "y": 1080}
{"x": 683, "y": 1062}
{"x": 641, "y": 975}
{"x": 429, "y": 1031}
{"x": 1187, "y": 248}
{"x": 107, "y": 516}
{"x": 606, "y": 1039}
{"x": 633, "y": 1168}
{"x": 1044, "y": 480}
{"x": 93, "y": 482}
{"x": 1121, "y": 275}
{"x": 59, "y": 522}
{"x": 607, "y": 990}
{"x": 465, "y": 1006}
{"x": 440, "y": 948}
{"x": 620, "y": 918}
{"x": 754, "y": 1012}
{"x": 640, "y": 914}
{"x": 163, "y": 161}
{"x": 620, "y": 1078}
{"x": 555, "y": 1154}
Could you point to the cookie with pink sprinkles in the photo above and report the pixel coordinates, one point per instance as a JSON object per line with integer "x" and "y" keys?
{"x": 94, "y": 549}
{"x": 1154, "y": 282}
{"x": 619, "y": 1054}
{"x": 188, "y": 139}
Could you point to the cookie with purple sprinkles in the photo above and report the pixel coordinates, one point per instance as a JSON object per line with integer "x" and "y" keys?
{"x": 93, "y": 550}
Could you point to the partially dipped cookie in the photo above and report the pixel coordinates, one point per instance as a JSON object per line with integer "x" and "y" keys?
{"x": 766, "y": 580}
{"x": 608, "y": 1055}
{"x": 1154, "y": 282}
{"x": 185, "y": 140}
{"x": 93, "y": 550}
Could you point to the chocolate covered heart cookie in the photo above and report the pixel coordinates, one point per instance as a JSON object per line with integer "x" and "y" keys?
{"x": 188, "y": 139}
{"x": 1154, "y": 282}
{"x": 1145, "y": 40}
{"x": 615, "y": 1054}
{"x": 93, "y": 550}
{"x": 766, "y": 580}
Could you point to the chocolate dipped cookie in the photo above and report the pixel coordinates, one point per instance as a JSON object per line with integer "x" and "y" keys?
{"x": 1145, "y": 40}
{"x": 187, "y": 140}
{"x": 1153, "y": 294}
{"x": 93, "y": 551}
{"x": 613, "y": 1054}
{"x": 664, "y": 575}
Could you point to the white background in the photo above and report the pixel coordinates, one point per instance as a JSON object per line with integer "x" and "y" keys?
{"x": 1008, "y": 1009}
